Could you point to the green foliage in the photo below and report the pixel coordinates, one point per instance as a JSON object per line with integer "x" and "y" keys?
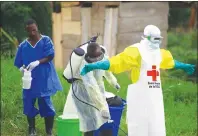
{"x": 41, "y": 12}
{"x": 178, "y": 17}
{"x": 7, "y": 48}
{"x": 183, "y": 47}
{"x": 186, "y": 40}
{"x": 15, "y": 14}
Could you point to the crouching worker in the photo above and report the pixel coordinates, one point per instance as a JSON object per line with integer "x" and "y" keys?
{"x": 88, "y": 92}
{"x": 75, "y": 61}
{"x": 36, "y": 54}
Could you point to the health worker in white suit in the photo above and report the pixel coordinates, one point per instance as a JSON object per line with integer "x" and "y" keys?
{"x": 145, "y": 107}
{"x": 88, "y": 88}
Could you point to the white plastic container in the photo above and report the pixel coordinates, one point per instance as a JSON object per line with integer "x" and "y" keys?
{"x": 75, "y": 63}
{"x": 27, "y": 79}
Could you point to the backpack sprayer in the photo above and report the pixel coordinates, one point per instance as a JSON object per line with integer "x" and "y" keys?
{"x": 81, "y": 53}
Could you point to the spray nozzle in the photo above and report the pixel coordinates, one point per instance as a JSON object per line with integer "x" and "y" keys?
{"x": 93, "y": 39}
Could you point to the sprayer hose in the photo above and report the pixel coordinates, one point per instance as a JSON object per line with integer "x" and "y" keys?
{"x": 84, "y": 101}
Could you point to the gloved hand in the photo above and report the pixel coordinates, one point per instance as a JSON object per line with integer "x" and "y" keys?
{"x": 32, "y": 65}
{"x": 105, "y": 114}
{"x": 188, "y": 68}
{"x": 104, "y": 65}
{"x": 21, "y": 69}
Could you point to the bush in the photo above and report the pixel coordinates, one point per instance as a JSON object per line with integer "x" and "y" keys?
{"x": 178, "y": 17}
{"x": 183, "y": 47}
{"x": 182, "y": 39}
{"x": 15, "y": 14}
{"x": 41, "y": 12}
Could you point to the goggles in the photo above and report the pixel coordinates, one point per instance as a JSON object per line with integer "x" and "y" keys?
{"x": 154, "y": 39}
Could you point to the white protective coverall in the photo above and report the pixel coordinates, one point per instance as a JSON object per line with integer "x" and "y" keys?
{"x": 145, "y": 112}
{"x": 145, "y": 108}
{"x": 90, "y": 89}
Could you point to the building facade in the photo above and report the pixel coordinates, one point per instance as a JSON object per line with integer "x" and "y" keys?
{"x": 120, "y": 24}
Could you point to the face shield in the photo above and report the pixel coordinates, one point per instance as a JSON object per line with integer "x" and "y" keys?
{"x": 153, "y": 41}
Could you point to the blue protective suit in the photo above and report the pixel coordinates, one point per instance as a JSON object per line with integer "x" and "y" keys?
{"x": 45, "y": 81}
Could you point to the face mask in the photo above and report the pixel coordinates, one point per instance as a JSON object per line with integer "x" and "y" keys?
{"x": 154, "y": 45}
{"x": 154, "y": 42}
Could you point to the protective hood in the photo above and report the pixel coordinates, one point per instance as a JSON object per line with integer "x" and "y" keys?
{"x": 91, "y": 60}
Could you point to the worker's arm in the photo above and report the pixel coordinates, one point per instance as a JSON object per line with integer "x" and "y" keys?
{"x": 117, "y": 64}
{"x": 48, "y": 51}
{"x": 167, "y": 60}
{"x": 96, "y": 96}
{"x": 48, "y": 54}
{"x": 125, "y": 60}
{"x": 46, "y": 59}
{"x": 93, "y": 90}
{"x": 169, "y": 63}
{"x": 99, "y": 79}
{"x": 111, "y": 79}
{"x": 18, "y": 61}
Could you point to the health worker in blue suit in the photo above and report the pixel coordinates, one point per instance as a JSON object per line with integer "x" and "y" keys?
{"x": 36, "y": 54}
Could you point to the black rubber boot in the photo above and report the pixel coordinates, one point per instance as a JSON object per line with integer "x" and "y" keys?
{"x": 49, "y": 121}
{"x": 107, "y": 132}
{"x": 90, "y": 133}
{"x": 31, "y": 123}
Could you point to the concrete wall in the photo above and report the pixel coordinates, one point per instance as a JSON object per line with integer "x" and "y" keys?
{"x": 134, "y": 16}
{"x": 98, "y": 18}
{"x": 71, "y": 31}
{"x": 131, "y": 18}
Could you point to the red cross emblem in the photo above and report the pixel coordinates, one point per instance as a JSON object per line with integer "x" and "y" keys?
{"x": 154, "y": 73}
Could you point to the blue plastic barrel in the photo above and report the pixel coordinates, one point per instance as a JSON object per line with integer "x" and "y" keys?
{"x": 116, "y": 114}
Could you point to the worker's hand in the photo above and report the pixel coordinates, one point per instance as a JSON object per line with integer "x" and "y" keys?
{"x": 32, "y": 65}
{"x": 189, "y": 69}
{"x": 86, "y": 69}
{"x": 21, "y": 69}
{"x": 105, "y": 114}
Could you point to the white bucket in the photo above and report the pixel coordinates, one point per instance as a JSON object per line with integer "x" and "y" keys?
{"x": 27, "y": 79}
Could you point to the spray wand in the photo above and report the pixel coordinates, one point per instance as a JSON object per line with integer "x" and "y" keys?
{"x": 93, "y": 39}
